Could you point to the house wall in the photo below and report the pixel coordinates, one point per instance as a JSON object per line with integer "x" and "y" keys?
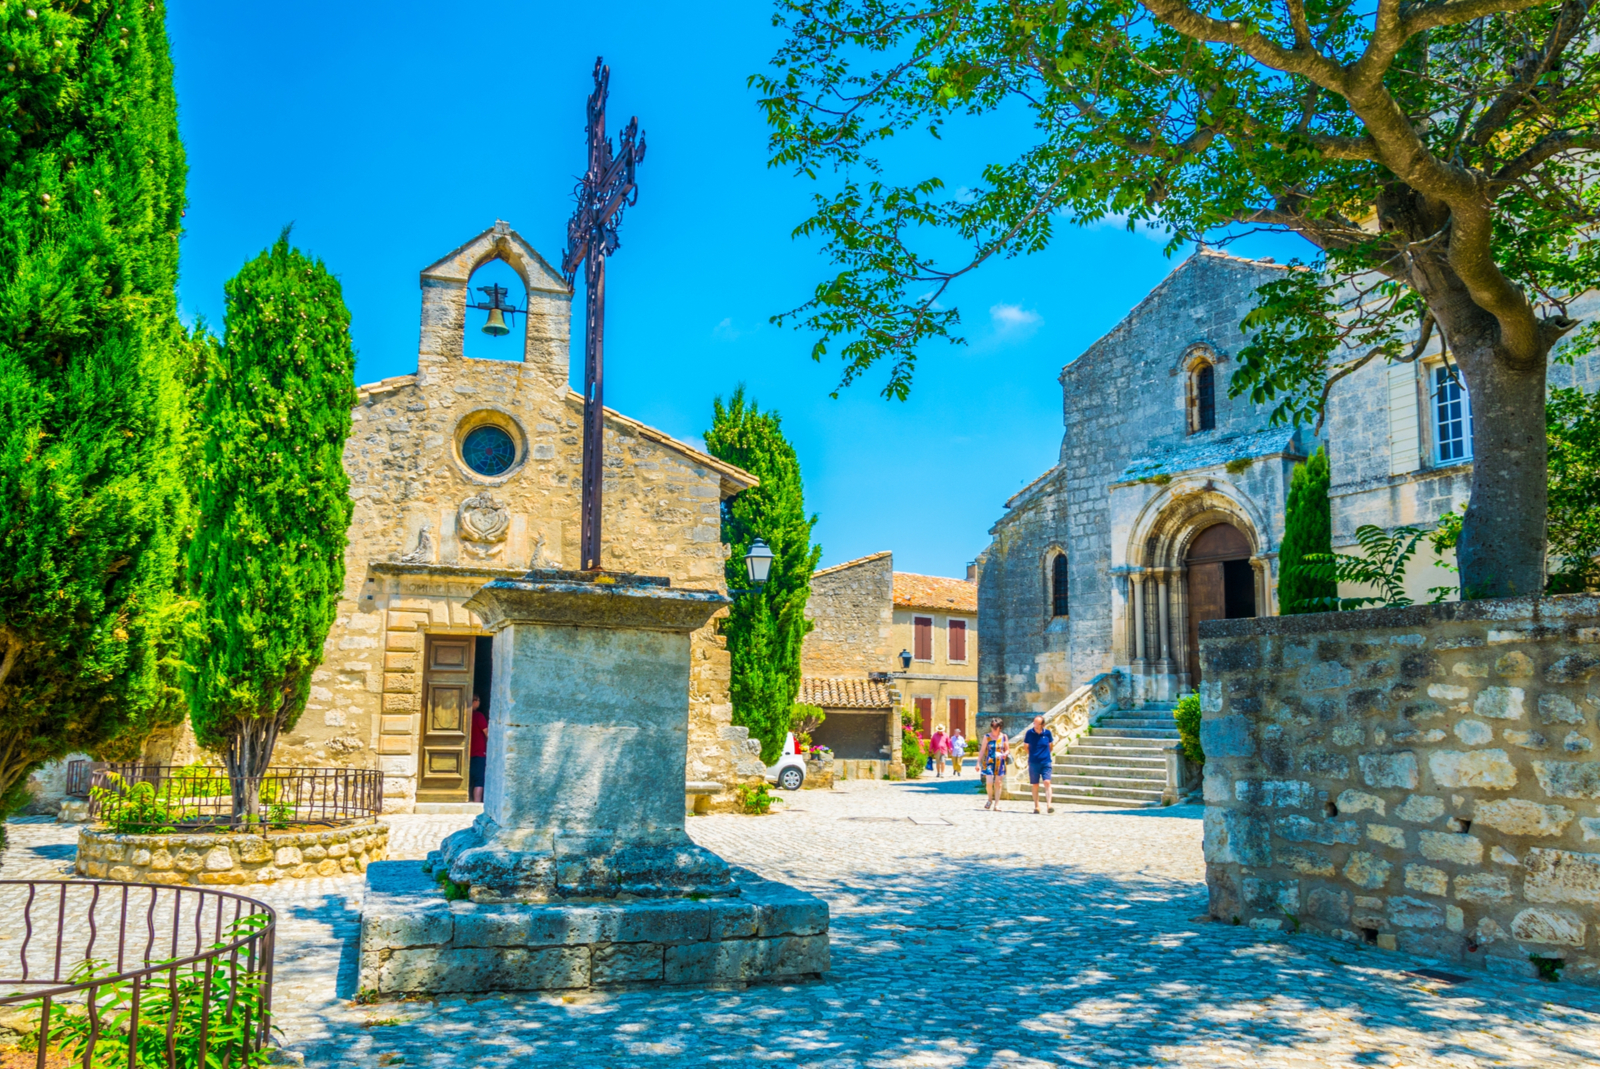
{"x": 852, "y": 611}
{"x": 1425, "y": 779}
{"x": 941, "y": 679}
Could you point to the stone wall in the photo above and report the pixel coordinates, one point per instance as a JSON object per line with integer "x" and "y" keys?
{"x": 852, "y": 610}
{"x": 224, "y": 859}
{"x": 1425, "y": 779}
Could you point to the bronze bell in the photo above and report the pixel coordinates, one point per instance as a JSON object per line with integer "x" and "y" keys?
{"x": 495, "y": 326}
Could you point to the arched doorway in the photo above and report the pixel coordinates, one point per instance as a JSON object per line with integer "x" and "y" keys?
{"x": 1222, "y": 583}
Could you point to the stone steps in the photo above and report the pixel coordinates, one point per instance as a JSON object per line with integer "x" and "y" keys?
{"x": 1120, "y": 761}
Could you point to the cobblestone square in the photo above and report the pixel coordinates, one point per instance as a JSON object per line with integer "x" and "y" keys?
{"x": 961, "y": 938}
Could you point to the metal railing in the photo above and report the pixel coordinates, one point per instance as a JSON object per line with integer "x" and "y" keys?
{"x": 129, "y": 975}
{"x": 197, "y": 796}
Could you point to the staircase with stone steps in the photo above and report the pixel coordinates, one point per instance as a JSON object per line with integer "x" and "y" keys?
{"x": 1120, "y": 761}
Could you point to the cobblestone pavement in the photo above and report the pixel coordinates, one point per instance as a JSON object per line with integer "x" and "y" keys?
{"x": 961, "y": 938}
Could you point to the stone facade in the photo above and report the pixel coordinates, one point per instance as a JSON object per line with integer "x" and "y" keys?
{"x": 1425, "y": 779}
{"x": 228, "y": 858}
{"x": 429, "y": 531}
{"x": 851, "y": 610}
{"x": 1138, "y": 479}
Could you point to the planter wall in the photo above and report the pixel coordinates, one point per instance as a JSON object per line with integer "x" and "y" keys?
{"x": 225, "y": 858}
{"x": 1423, "y": 779}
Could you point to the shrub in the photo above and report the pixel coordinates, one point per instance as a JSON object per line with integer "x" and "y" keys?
{"x": 1307, "y": 529}
{"x": 135, "y": 810}
{"x": 754, "y": 799}
{"x": 1187, "y": 714}
{"x": 453, "y": 891}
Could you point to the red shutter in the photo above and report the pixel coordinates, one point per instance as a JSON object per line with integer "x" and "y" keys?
{"x": 958, "y": 715}
{"x": 958, "y": 639}
{"x": 922, "y": 638}
{"x": 924, "y": 707}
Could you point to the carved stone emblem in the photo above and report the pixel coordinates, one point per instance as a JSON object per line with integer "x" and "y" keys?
{"x": 483, "y": 523}
{"x": 423, "y": 554}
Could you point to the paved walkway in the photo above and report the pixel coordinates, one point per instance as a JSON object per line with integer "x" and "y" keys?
{"x": 961, "y": 938}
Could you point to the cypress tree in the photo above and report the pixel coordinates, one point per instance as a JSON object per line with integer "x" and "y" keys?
{"x": 1307, "y": 528}
{"x": 92, "y": 502}
{"x": 273, "y": 509}
{"x": 764, "y": 629}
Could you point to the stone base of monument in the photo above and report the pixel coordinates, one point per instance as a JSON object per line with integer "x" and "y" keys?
{"x": 413, "y": 940}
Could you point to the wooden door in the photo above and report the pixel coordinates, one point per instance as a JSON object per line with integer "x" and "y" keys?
{"x": 446, "y": 722}
{"x": 1207, "y": 601}
{"x": 958, "y": 716}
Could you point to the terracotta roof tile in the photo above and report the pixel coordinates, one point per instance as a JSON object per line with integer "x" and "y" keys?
{"x": 845, "y": 693}
{"x": 935, "y": 592}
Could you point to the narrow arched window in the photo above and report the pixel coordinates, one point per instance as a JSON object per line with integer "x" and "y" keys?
{"x": 1205, "y": 398}
{"x": 1058, "y": 585}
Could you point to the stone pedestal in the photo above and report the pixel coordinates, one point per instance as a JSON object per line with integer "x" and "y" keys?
{"x": 579, "y": 871}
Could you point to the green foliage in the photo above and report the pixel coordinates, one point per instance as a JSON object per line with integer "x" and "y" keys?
{"x": 806, "y": 718}
{"x": 754, "y": 798}
{"x": 1187, "y": 715}
{"x": 267, "y": 558}
{"x": 91, "y": 419}
{"x": 136, "y": 809}
{"x": 764, "y": 628}
{"x": 1572, "y": 421}
{"x": 1307, "y": 529}
{"x": 1549, "y": 968}
{"x": 1382, "y": 566}
{"x": 180, "y": 999}
{"x": 452, "y": 891}
{"x": 912, "y": 752}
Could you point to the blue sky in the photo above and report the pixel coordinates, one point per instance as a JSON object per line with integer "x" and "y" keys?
{"x": 389, "y": 134}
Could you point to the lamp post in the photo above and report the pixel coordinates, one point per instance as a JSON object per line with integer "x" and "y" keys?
{"x": 757, "y": 566}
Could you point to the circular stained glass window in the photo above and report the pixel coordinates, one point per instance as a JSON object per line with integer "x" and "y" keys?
{"x": 489, "y": 451}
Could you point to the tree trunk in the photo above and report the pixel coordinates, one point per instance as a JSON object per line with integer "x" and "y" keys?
{"x": 1502, "y": 548}
{"x": 247, "y": 757}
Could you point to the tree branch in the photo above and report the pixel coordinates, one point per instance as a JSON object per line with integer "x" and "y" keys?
{"x": 1307, "y": 62}
{"x": 1546, "y": 147}
{"x": 1533, "y": 66}
{"x": 1427, "y": 16}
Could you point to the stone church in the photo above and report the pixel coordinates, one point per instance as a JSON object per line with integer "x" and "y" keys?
{"x": 470, "y": 470}
{"x": 1166, "y": 504}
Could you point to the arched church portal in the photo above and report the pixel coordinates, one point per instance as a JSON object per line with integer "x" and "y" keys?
{"x": 1221, "y": 581}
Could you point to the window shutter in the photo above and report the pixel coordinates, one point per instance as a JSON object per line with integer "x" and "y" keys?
{"x": 924, "y": 707}
{"x": 1405, "y": 444}
{"x": 922, "y": 638}
{"x": 958, "y": 715}
{"x": 958, "y": 639}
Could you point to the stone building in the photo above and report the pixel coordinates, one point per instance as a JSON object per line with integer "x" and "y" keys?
{"x": 1166, "y": 505}
{"x": 881, "y": 636}
{"x": 470, "y": 470}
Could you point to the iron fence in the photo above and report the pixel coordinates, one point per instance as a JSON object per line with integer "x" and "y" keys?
{"x": 79, "y": 773}
{"x": 126, "y": 975}
{"x": 198, "y": 796}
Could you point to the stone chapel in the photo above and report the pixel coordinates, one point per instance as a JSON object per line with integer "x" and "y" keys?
{"x": 1166, "y": 505}
{"x": 470, "y": 470}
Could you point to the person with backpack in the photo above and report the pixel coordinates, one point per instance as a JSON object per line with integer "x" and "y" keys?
{"x": 994, "y": 752}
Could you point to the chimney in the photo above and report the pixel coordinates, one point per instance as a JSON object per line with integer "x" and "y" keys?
{"x": 972, "y": 571}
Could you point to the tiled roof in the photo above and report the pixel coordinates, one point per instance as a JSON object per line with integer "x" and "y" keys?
{"x": 845, "y": 693}
{"x": 852, "y": 563}
{"x": 935, "y": 592}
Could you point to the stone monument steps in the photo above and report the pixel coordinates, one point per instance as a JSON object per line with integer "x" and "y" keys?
{"x": 1118, "y": 732}
{"x": 1137, "y": 721}
{"x": 1107, "y": 796}
{"x": 1151, "y": 760}
{"x": 1077, "y": 765}
{"x": 1079, "y": 779}
{"x": 1121, "y": 761}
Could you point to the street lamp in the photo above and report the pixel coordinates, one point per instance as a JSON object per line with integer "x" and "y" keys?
{"x": 757, "y": 566}
{"x": 905, "y": 660}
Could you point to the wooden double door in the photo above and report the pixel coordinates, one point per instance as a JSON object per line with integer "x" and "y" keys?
{"x": 1221, "y": 584}
{"x": 446, "y": 718}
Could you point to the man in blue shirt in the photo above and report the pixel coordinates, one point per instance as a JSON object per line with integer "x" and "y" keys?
{"x": 1039, "y": 741}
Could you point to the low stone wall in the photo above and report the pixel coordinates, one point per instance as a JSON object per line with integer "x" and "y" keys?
{"x": 413, "y": 940}
{"x": 1424, "y": 779}
{"x": 226, "y": 858}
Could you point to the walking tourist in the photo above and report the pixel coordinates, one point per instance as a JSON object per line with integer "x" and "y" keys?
{"x": 480, "y": 749}
{"x": 994, "y": 751}
{"x": 1039, "y": 739}
{"x": 941, "y": 748}
{"x": 958, "y": 750}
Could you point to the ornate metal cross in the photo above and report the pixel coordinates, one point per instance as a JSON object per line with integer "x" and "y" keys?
{"x": 605, "y": 189}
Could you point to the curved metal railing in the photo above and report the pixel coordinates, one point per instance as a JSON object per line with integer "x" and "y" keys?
{"x": 129, "y": 975}
{"x": 196, "y": 796}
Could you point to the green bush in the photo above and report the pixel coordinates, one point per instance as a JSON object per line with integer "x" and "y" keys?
{"x": 135, "y": 810}
{"x": 754, "y": 799}
{"x": 1187, "y": 714}
{"x": 912, "y": 752}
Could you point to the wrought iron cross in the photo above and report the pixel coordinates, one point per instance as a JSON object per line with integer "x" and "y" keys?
{"x": 605, "y": 189}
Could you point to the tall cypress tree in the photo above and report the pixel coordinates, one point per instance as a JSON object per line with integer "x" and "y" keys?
{"x": 91, "y": 498}
{"x": 273, "y": 509}
{"x": 1307, "y": 528}
{"x": 764, "y": 629}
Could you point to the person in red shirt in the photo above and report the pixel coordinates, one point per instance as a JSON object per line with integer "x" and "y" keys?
{"x": 480, "y": 748}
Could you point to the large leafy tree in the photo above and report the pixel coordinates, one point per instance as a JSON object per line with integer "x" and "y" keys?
{"x": 1307, "y": 529}
{"x": 1573, "y": 419}
{"x": 91, "y": 499}
{"x": 1437, "y": 153}
{"x": 273, "y": 504}
{"x": 765, "y": 628}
